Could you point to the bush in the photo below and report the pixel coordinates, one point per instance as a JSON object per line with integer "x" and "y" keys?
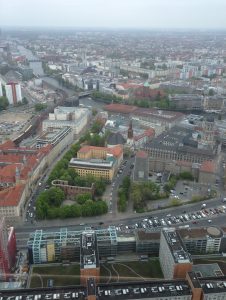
{"x": 197, "y": 198}
{"x": 186, "y": 176}
{"x": 40, "y": 106}
{"x": 175, "y": 202}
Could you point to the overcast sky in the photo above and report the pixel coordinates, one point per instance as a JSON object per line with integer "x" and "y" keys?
{"x": 114, "y": 13}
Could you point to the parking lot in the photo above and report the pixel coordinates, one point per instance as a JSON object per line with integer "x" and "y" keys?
{"x": 12, "y": 123}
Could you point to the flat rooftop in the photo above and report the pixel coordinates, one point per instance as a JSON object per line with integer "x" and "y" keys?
{"x": 91, "y": 163}
{"x": 52, "y": 133}
{"x": 195, "y": 233}
{"x": 176, "y": 246}
{"x": 147, "y": 290}
{"x": 213, "y": 285}
{"x": 143, "y": 235}
{"x": 75, "y": 292}
{"x": 89, "y": 252}
{"x": 207, "y": 270}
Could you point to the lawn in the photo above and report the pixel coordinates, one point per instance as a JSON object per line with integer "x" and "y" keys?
{"x": 61, "y": 275}
{"x": 120, "y": 272}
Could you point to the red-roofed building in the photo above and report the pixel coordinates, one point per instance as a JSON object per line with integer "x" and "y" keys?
{"x": 145, "y": 137}
{"x": 20, "y": 169}
{"x": 120, "y": 108}
{"x": 143, "y": 92}
{"x": 155, "y": 116}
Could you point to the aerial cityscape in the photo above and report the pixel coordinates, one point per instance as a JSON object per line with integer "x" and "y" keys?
{"x": 112, "y": 150}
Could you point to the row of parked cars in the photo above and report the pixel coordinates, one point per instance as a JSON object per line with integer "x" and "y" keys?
{"x": 193, "y": 217}
{"x": 185, "y": 217}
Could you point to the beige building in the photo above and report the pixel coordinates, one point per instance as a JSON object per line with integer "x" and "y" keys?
{"x": 100, "y": 162}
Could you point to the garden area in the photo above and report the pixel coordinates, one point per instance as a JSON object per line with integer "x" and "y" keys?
{"x": 61, "y": 275}
{"x": 131, "y": 271}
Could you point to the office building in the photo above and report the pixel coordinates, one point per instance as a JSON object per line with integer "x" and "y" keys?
{"x": 13, "y": 92}
{"x": 157, "y": 117}
{"x": 65, "y": 244}
{"x": 174, "y": 259}
{"x": 179, "y": 144}
{"x": 203, "y": 240}
{"x": 7, "y": 250}
{"x": 73, "y": 117}
{"x": 192, "y": 288}
{"x": 53, "y": 136}
{"x": 147, "y": 243}
{"x": 4, "y": 258}
{"x": 89, "y": 257}
{"x": 101, "y": 162}
{"x": 141, "y": 167}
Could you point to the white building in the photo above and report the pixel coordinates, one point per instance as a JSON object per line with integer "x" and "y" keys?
{"x": 74, "y": 117}
{"x": 13, "y": 92}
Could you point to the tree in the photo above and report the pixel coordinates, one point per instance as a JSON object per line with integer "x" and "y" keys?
{"x": 55, "y": 196}
{"x": 96, "y": 127}
{"x": 82, "y": 198}
{"x": 211, "y": 92}
{"x": 4, "y": 103}
{"x": 87, "y": 208}
{"x": 40, "y": 106}
{"x": 24, "y": 101}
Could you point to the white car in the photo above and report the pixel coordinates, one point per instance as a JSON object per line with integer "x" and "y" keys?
{"x": 209, "y": 221}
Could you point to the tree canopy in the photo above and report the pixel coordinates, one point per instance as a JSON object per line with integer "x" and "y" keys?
{"x": 4, "y": 103}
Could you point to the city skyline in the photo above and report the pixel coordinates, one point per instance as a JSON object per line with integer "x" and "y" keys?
{"x": 143, "y": 14}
